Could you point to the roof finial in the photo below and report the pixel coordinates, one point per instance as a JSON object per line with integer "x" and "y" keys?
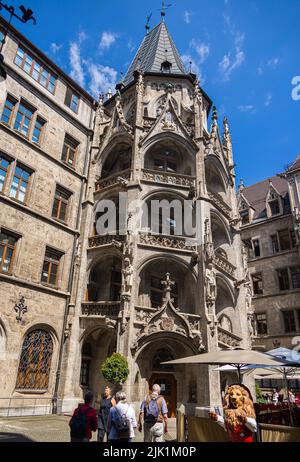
{"x": 163, "y": 9}
{"x": 214, "y": 114}
{"x": 147, "y": 23}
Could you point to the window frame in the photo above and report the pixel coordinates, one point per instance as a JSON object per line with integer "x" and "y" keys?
{"x": 13, "y": 111}
{"x": 13, "y": 248}
{"x": 70, "y": 94}
{"x": 61, "y": 200}
{"x": 262, "y": 285}
{"x": 67, "y": 143}
{"x": 33, "y": 118}
{"x": 30, "y": 172}
{"x": 261, "y": 322}
{"x": 291, "y": 311}
{"x": 280, "y": 270}
{"x": 8, "y": 170}
{"x": 42, "y": 130}
{"x": 42, "y": 69}
{"x": 52, "y": 262}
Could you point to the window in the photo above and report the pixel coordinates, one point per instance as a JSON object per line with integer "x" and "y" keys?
{"x": 116, "y": 284}
{"x": 284, "y": 239}
{"x": 295, "y": 276}
{"x": 165, "y": 165}
{"x": 157, "y": 292}
{"x": 289, "y": 321}
{"x": 275, "y": 243}
{"x": 8, "y": 243}
{"x": 35, "y": 69}
{"x": 245, "y": 216}
{"x": 72, "y": 100}
{"x": 257, "y": 284}
{"x": 23, "y": 119}
{"x": 20, "y": 184}
{"x": 293, "y": 239}
{"x": 4, "y": 168}
{"x": 85, "y": 373}
{"x": 51, "y": 267}
{"x": 35, "y": 361}
{"x": 8, "y": 110}
{"x": 274, "y": 207}
{"x": 61, "y": 202}
{"x": 256, "y": 248}
{"x": 69, "y": 151}
{"x": 38, "y": 130}
{"x": 283, "y": 279}
{"x": 261, "y": 323}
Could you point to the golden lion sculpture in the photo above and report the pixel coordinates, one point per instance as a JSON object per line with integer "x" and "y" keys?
{"x": 239, "y": 414}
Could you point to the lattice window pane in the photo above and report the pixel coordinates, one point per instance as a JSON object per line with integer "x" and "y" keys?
{"x": 35, "y": 361}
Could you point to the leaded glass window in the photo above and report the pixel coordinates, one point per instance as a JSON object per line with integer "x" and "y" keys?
{"x": 35, "y": 361}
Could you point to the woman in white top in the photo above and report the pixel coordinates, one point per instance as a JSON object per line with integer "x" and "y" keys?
{"x": 121, "y": 409}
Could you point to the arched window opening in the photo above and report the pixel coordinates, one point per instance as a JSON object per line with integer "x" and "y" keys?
{"x": 105, "y": 281}
{"x": 161, "y": 356}
{"x": 225, "y": 323}
{"x": 35, "y": 361}
{"x": 118, "y": 160}
{"x": 166, "y": 67}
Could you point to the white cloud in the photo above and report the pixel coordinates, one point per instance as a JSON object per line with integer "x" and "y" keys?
{"x": 103, "y": 78}
{"x": 55, "y": 48}
{"x": 187, "y": 17}
{"x": 77, "y": 72}
{"x": 232, "y": 60}
{"x": 260, "y": 70}
{"x": 268, "y": 99}
{"x": 247, "y": 108}
{"x": 202, "y": 49}
{"x": 107, "y": 40}
{"x": 273, "y": 63}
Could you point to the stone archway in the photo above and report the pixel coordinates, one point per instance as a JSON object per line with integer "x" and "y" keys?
{"x": 97, "y": 345}
{"x": 172, "y": 379}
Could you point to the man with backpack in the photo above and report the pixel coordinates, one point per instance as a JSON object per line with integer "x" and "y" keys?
{"x": 84, "y": 421}
{"x": 154, "y": 412}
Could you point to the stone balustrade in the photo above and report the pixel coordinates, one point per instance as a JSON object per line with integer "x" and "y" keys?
{"x": 224, "y": 265}
{"x": 107, "y": 309}
{"x": 113, "y": 180}
{"x": 217, "y": 200}
{"x": 174, "y": 179}
{"x": 228, "y": 339}
{"x": 169, "y": 242}
{"x": 99, "y": 241}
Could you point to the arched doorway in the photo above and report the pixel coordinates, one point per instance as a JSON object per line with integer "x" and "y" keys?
{"x": 168, "y": 387}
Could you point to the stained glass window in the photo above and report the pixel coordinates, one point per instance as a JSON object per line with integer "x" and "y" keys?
{"x": 35, "y": 361}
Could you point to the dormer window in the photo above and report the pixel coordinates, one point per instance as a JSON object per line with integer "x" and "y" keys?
{"x": 166, "y": 67}
{"x": 274, "y": 207}
{"x": 245, "y": 214}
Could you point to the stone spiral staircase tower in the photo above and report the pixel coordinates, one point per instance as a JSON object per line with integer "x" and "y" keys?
{"x": 155, "y": 296}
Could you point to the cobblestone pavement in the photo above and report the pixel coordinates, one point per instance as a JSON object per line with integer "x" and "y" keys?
{"x": 51, "y": 429}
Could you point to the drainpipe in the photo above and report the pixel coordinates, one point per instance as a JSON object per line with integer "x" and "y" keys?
{"x": 71, "y": 276}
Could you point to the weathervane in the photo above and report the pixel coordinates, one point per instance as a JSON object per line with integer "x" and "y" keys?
{"x": 148, "y": 21}
{"x": 164, "y": 9}
{"x": 27, "y": 15}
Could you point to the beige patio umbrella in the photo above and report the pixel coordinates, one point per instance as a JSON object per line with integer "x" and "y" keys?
{"x": 235, "y": 358}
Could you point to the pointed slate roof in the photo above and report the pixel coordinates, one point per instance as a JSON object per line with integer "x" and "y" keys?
{"x": 152, "y": 53}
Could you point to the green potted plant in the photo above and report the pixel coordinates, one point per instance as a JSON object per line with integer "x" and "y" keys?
{"x": 115, "y": 369}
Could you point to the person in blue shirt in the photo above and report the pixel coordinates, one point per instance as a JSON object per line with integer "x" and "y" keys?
{"x": 122, "y": 408}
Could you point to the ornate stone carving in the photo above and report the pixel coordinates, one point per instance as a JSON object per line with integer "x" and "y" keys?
{"x": 127, "y": 273}
{"x": 210, "y": 284}
{"x": 120, "y": 178}
{"x": 173, "y": 242}
{"x": 101, "y": 309}
{"x": 20, "y": 308}
{"x": 217, "y": 200}
{"x": 99, "y": 241}
{"x": 228, "y": 338}
{"x": 164, "y": 177}
{"x": 208, "y": 242}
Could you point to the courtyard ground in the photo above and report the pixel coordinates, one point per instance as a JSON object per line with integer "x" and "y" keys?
{"x": 51, "y": 429}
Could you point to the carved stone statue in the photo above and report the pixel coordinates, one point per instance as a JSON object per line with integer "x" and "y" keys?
{"x": 127, "y": 273}
{"x": 210, "y": 283}
{"x": 252, "y": 324}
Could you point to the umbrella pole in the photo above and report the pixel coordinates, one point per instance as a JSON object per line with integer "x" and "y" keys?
{"x": 288, "y": 395}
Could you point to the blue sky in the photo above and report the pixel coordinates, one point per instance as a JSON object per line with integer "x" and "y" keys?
{"x": 246, "y": 52}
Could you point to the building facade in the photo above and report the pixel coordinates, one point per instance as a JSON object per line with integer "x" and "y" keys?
{"x": 269, "y": 231}
{"x": 149, "y": 289}
{"x": 46, "y": 131}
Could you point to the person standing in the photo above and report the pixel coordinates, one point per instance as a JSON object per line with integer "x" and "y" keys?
{"x": 106, "y": 404}
{"x": 154, "y": 412}
{"x": 84, "y": 421}
{"x": 121, "y": 420}
{"x": 275, "y": 397}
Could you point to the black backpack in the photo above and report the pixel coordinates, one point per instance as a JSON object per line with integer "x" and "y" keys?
{"x": 78, "y": 425}
{"x": 122, "y": 424}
